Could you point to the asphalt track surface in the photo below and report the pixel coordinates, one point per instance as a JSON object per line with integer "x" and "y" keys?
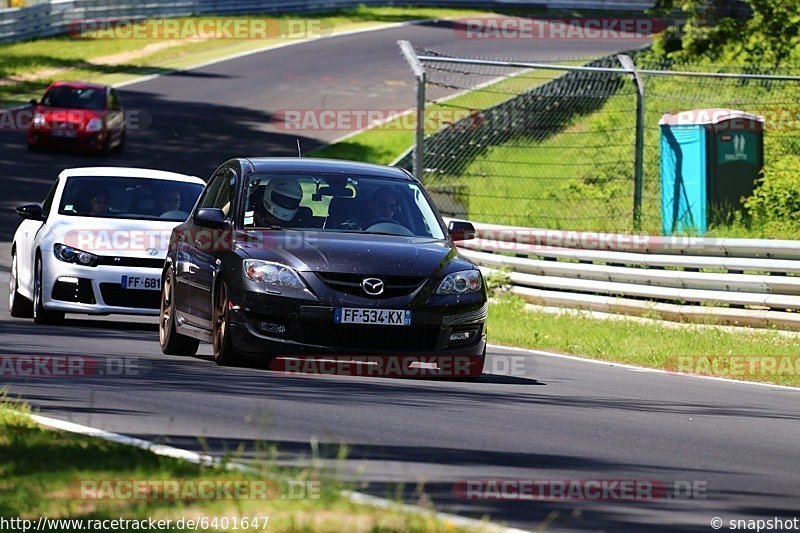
{"x": 549, "y": 419}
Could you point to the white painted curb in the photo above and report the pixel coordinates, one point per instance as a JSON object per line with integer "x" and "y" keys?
{"x": 635, "y": 368}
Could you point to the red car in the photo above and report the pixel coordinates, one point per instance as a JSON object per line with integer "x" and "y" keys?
{"x": 85, "y": 116}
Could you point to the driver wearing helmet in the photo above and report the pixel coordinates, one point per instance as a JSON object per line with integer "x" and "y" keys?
{"x": 281, "y": 202}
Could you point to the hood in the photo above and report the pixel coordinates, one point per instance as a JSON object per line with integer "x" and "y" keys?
{"x": 386, "y": 255}
{"x": 114, "y": 237}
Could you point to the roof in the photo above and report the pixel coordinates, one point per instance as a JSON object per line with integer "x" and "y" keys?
{"x": 315, "y": 165}
{"x": 697, "y": 117}
{"x": 129, "y": 172}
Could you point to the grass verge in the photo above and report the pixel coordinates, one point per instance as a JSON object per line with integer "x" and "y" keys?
{"x": 46, "y": 473}
{"x": 713, "y": 351}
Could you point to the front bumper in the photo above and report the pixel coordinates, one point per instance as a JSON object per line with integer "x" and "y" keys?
{"x": 98, "y": 291}
{"x": 44, "y": 138}
{"x": 270, "y": 325}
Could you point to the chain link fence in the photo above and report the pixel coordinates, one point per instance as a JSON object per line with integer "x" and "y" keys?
{"x": 555, "y": 145}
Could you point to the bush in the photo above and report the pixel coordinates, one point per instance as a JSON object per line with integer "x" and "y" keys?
{"x": 775, "y": 204}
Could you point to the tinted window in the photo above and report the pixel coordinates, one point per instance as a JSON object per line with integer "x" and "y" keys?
{"x": 120, "y": 197}
{"x": 75, "y": 97}
{"x": 332, "y": 202}
{"x": 220, "y": 191}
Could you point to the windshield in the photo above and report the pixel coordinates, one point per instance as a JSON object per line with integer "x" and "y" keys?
{"x": 75, "y": 97}
{"x": 135, "y": 198}
{"x": 333, "y": 202}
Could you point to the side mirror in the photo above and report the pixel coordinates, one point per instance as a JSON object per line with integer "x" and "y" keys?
{"x": 31, "y": 212}
{"x": 461, "y": 230}
{"x": 33, "y": 102}
{"x": 210, "y": 217}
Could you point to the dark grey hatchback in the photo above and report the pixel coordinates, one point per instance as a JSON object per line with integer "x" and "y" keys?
{"x": 317, "y": 259}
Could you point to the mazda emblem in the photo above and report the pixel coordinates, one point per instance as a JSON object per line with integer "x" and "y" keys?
{"x": 372, "y": 286}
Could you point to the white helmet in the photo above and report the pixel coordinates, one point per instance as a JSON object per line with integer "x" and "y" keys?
{"x": 282, "y": 197}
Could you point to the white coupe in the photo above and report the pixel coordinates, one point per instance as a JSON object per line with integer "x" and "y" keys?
{"x": 97, "y": 243}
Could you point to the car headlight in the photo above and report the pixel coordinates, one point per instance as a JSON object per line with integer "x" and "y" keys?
{"x": 68, "y": 254}
{"x": 461, "y": 282}
{"x": 273, "y": 274}
{"x": 39, "y": 120}
{"x": 95, "y": 124}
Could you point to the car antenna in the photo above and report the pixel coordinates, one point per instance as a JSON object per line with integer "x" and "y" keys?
{"x": 299, "y": 153}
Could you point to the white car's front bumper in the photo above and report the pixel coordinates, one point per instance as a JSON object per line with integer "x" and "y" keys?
{"x": 99, "y": 289}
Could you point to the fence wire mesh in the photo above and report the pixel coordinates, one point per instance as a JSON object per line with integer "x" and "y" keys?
{"x": 556, "y": 149}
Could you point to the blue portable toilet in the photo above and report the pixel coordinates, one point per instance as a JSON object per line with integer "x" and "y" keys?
{"x": 709, "y": 158}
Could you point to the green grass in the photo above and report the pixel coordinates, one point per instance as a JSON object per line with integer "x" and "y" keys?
{"x": 26, "y": 68}
{"x": 42, "y": 471}
{"x": 642, "y": 344}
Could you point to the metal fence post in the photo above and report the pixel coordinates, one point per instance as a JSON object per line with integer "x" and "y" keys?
{"x": 419, "y": 72}
{"x": 638, "y": 165}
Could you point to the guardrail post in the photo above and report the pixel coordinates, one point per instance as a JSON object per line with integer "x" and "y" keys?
{"x": 419, "y": 72}
{"x": 638, "y": 165}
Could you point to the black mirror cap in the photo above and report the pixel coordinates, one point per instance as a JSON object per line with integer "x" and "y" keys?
{"x": 33, "y": 102}
{"x": 461, "y": 230}
{"x": 210, "y": 217}
{"x": 31, "y": 212}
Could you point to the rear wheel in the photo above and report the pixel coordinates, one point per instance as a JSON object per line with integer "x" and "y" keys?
{"x": 18, "y": 305}
{"x": 172, "y": 342}
{"x": 224, "y": 354}
{"x": 40, "y": 314}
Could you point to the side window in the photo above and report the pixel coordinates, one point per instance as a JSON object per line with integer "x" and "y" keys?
{"x": 226, "y": 192}
{"x": 220, "y": 191}
{"x": 47, "y": 203}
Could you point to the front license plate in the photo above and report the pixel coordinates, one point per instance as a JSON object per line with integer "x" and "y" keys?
{"x": 381, "y": 317}
{"x": 141, "y": 283}
{"x": 64, "y": 133}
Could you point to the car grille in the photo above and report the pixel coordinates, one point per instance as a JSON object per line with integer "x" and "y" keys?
{"x": 378, "y": 338}
{"x": 351, "y": 284}
{"x": 145, "y": 262}
{"x": 114, "y": 294}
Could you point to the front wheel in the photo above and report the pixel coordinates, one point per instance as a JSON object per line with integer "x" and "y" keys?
{"x": 18, "y": 305}
{"x": 224, "y": 354}
{"x": 40, "y": 314}
{"x": 172, "y": 342}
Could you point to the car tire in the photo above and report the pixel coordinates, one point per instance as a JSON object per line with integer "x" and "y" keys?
{"x": 222, "y": 346}
{"x": 40, "y": 314}
{"x": 172, "y": 342}
{"x": 18, "y": 305}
